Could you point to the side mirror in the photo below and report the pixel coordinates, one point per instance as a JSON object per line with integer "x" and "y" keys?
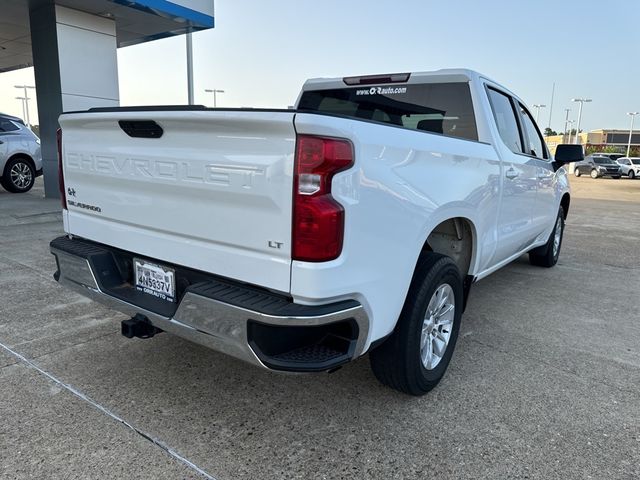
{"x": 567, "y": 153}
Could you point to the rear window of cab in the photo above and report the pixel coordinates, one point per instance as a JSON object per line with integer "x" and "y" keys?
{"x": 443, "y": 108}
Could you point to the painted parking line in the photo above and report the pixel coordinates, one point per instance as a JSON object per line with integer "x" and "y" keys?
{"x": 158, "y": 443}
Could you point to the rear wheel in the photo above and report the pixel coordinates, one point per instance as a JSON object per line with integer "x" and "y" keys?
{"x": 576, "y": 172}
{"x": 18, "y": 176}
{"x": 416, "y": 355}
{"x": 594, "y": 173}
{"x": 547, "y": 255}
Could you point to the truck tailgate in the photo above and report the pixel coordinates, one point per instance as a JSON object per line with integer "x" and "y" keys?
{"x": 213, "y": 192}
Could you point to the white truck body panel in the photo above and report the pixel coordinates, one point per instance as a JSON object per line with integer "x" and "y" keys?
{"x": 210, "y": 194}
{"x": 392, "y": 204}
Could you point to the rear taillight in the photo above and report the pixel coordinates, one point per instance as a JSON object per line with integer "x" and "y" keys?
{"x": 318, "y": 219}
{"x": 63, "y": 193}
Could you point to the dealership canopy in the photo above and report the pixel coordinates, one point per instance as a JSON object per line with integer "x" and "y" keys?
{"x": 135, "y": 22}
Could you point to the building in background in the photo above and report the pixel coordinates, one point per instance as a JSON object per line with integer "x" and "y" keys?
{"x": 598, "y": 140}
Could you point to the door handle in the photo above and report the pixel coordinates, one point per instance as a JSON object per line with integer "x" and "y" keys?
{"x": 511, "y": 173}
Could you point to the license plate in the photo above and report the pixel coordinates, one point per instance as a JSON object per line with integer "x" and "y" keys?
{"x": 155, "y": 280}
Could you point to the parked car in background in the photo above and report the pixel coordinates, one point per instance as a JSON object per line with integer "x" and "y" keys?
{"x": 612, "y": 156}
{"x": 20, "y": 158}
{"x": 598, "y": 166}
{"x": 630, "y": 166}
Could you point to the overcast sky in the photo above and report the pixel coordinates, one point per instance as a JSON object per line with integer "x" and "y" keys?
{"x": 261, "y": 52}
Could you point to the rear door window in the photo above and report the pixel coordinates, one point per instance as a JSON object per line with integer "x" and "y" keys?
{"x": 535, "y": 145}
{"x": 7, "y": 126}
{"x": 444, "y": 108}
{"x": 505, "y": 117}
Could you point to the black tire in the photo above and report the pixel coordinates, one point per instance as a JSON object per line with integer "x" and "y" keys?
{"x": 545, "y": 256}
{"x": 617, "y": 177}
{"x": 576, "y": 172}
{"x": 594, "y": 173}
{"x": 18, "y": 183}
{"x": 397, "y": 363}
{"x": 631, "y": 174}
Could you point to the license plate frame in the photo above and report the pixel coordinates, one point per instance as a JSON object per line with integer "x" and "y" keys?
{"x": 154, "y": 279}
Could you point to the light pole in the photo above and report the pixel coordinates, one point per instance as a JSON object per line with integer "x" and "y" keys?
{"x": 553, "y": 92}
{"x": 214, "y": 91}
{"x": 632, "y": 115}
{"x": 570, "y": 123}
{"x": 22, "y": 99}
{"x": 538, "y": 107}
{"x": 566, "y": 121}
{"x": 26, "y": 102}
{"x": 582, "y": 102}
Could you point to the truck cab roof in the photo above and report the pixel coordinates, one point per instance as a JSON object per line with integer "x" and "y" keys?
{"x": 442, "y": 75}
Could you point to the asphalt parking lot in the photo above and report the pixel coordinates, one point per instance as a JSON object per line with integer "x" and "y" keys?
{"x": 544, "y": 383}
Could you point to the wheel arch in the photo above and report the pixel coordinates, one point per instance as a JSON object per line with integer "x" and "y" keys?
{"x": 430, "y": 237}
{"x": 27, "y": 157}
{"x": 457, "y": 238}
{"x": 454, "y": 237}
{"x": 565, "y": 201}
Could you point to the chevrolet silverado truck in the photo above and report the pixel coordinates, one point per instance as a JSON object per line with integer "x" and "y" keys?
{"x": 299, "y": 240}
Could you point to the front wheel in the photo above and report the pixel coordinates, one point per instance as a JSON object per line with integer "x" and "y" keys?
{"x": 416, "y": 355}
{"x": 594, "y": 173}
{"x": 631, "y": 174}
{"x": 547, "y": 255}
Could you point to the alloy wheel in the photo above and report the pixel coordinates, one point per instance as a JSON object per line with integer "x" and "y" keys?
{"x": 21, "y": 176}
{"x": 437, "y": 326}
{"x": 557, "y": 236}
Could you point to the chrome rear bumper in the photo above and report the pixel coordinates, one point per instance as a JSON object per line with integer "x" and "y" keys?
{"x": 216, "y": 324}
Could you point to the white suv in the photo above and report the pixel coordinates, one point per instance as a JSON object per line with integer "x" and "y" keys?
{"x": 20, "y": 157}
{"x": 630, "y": 166}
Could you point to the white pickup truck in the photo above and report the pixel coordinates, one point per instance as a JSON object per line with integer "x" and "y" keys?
{"x": 299, "y": 240}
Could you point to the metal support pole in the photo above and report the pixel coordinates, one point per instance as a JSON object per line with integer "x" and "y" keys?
{"x": 571, "y": 122}
{"x": 566, "y": 121}
{"x": 26, "y": 102}
{"x": 190, "y": 95}
{"x": 26, "y": 107}
{"x": 24, "y": 115}
{"x": 582, "y": 101}
{"x": 578, "y": 126}
{"x": 633, "y": 116}
{"x": 538, "y": 107}
{"x": 215, "y": 92}
{"x": 553, "y": 91}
